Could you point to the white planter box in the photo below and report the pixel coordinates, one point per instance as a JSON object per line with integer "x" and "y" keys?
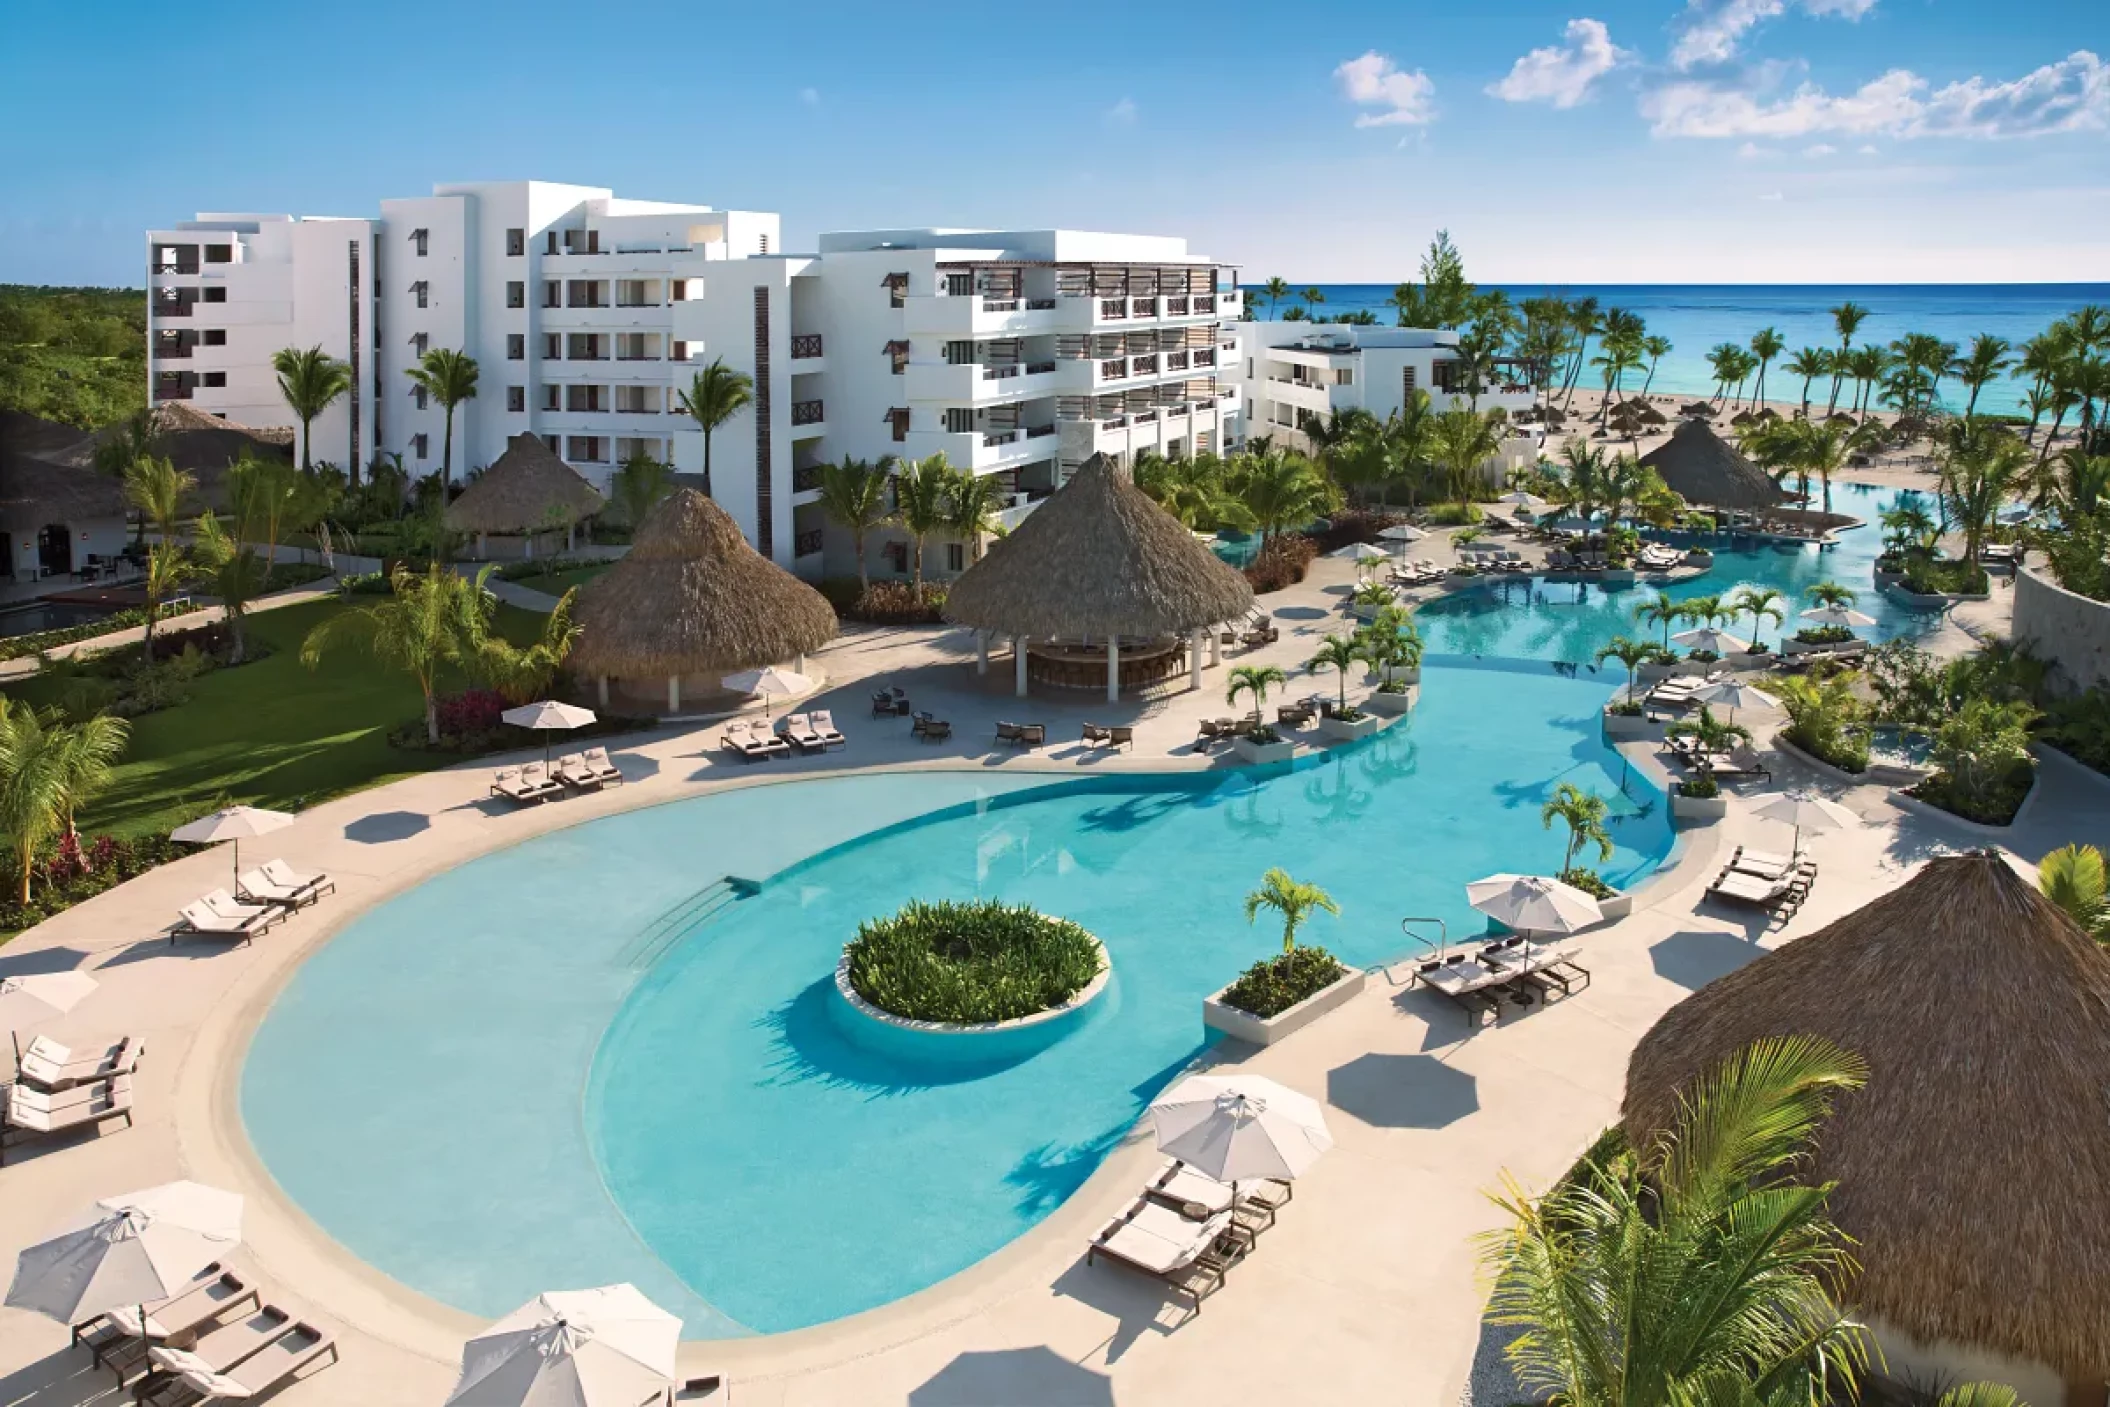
{"x": 1627, "y": 727}
{"x": 1655, "y": 673}
{"x": 1792, "y": 646}
{"x": 1698, "y": 557}
{"x": 1245, "y": 1026}
{"x": 1618, "y": 906}
{"x": 1623, "y": 576}
{"x": 1248, "y": 751}
{"x": 1340, "y": 730}
{"x": 1698, "y": 808}
{"x": 1399, "y": 674}
{"x": 1390, "y": 705}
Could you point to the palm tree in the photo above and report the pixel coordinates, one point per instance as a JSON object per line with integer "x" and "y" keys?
{"x": 33, "y": 782}
{"x": 1988, "y": 359}
{"x": 427, "y": 623}
{"x": 309, "y": 380}
{"x": 972, "y": 507}
{"x": 1709, "y": 732}
{"x": 1829, "y": 593}
{"x": 2073, "y": 877}
{"x": 922, "y": 494}
{"x": 1462, "y": 440}
{"x": 1866, "y": 365}
{"x": 449, "y": 377}
{"x": 156, "y": 488}
{"x": 1276, "y": 290}
{"x": 1906, "y": 528}
{"x": 1662, "y": 611}
{"x": 638, "y": 486}
{"x": 87, "y": 756}
{"x": 1704, "y": 609}
{"x": 1761, "y": 603}
{"x": 1809, "y": 364}
{"x": 1980, "y": 469}
{"x": 854, "y": 495}
{"x": 1655, "y": 347}
{"x": 1631, "y": 653}
{"x": 716, "y": 394}
{"x": 1585, "y": 813}
{"x": 1254, "y": 679}
{"x": 1340, "y": 654}
{"x": 1281, "y": 491}
{"x": 1766, "y": 344}
{"x": 1722, "y": 359}
{"x": 1695, "y": 1268}
{"x": 1312, "y": 297}
{"x": 1583, "y": 324}
{"x": 236, "y": 571}
{"x": 1295, "y": 902}
{"x": 522, "y": 673}
{"x": 1847, "y": 318}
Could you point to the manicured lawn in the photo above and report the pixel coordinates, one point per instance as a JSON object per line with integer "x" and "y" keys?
{"x": 273, "y": 733}
{"x": 557, "y": 583}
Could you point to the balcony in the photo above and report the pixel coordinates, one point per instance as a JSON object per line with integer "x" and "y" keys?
{"x": 179, "y": 266}
{"x": 806, "y": 478}
{"x": 970, "y": 317}
{"x": 806, "y": 346}
{"x": 807, "y": 544}
{"x": 972, "y": 383}
{"x": 808, "y": 418}
{"x": 979, "y": 450}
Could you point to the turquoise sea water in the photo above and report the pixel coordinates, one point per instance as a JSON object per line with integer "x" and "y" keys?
{"x": 1698, "y": 317}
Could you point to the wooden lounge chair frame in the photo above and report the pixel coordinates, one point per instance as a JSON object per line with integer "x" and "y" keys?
{"x": 1197, "y": 1279}
{"x": 279, "y": 872}
{"x": 120, "y": 1059}
{"x": 113, "y": 1348}
{"x": 78, "y": 1111}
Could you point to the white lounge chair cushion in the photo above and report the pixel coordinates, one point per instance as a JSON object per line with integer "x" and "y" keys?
{"x": 45, "y": 1048}
{"x": 175, "y": 1360}
{"x": 1191, "y": 1188}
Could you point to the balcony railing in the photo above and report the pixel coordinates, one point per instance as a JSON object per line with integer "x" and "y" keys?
{"x": 1114, "y": 370}
{"x": 637, "y": 356}
{"x": 1142, "y": 307}
{"x": 1143, "y": 417}
{"x": 1113, "y": 307}
{"x": 1205, "y": 357}
{"x": 1034, "y": 432}
{"x": 999, "y": 373}
{"x": 1040, "y": 305}
{"x": 636, "y": 303}
{"x": 637, "y": 410}
{"x": 172, "y": 393}
{"x": 1000, "y": 305}
{"x": 173, "y": 307}
{"x": 1144, "y": 366}
{"x": 1175, "y": 361}
{"x": 1205, "y": 305}
{"x": 807, "y": 413}
{"x": 180, "y": 267}
{"x": 999, "y": 437}
{"x": 806, "y": 478}
{"x": 806, "y": 344}
{"x": 171, "y": 351}
{"x": 807, "y": 544}
{"x": 1175, "y": 307}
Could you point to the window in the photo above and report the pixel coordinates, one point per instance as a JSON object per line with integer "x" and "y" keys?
{"x": 959, "y": 353}
{"x": 421, "y": 341}
{"x": 1406, "y": 385}
{"x": 681, "y": 351}
{"x": 421, "y": 396}
{"x": 516, "y": 294}
{"x": 215, "y": 295}
{"x": 418, "y": 290}
{"x": 516, "y": 346}
{"x": 959, "y": 420}
{"x": 955, "y": 557}
{"x": 898, "y": 419}
{"x": 419, "y": 446}
{"x": 551, "y": 248}
{"x": 896, "y": 286}
{"x": 552, "y": 346}
{"x": 552, "y": 293}
{"x": 516, "y": 398}
{"x": 219, "y": 254}
{"x": 417, "y": 239}
{"x": 959, "y": 285}
{"x": 586, "y": 449}
{"x": 550, "y": 401}
{"x": 215, "y": 336}
{"x": 516, "y": 243}
{"x": 213, "y": 378}
{"x": 897, "y": 557}
{"x": 765, "y": 244}
{"x": 1344, "y": 376}
{"x": 1249, "y": 369}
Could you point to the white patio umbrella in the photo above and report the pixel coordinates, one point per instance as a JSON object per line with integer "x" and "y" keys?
{"x": 1231, "y": 1127}
{"x": 1806, "y": 812}
{"x": 235, "y": 823}
{"x": 609, "y": 1347}
{"x": 38, "y": 996}
{"x": 1838, "y": 615}
{"x": 548, "y": 716}
{"x": 1736, "y": 694}
{"x": 1402, "y": 533}
{"x": 1721, "y": 642}
{"x": 768, "y": 682}
{"x": 1520, "y": 498}
{"x": 126, "y": 1251}
{"x": 1530, "y": 903}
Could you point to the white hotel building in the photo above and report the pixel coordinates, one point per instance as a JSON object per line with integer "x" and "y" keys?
{"x": 1291, "y": 371}
{"x": 1016, "y": 353}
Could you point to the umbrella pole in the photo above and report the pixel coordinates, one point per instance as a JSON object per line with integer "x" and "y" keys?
{"x": 238, "y": 862}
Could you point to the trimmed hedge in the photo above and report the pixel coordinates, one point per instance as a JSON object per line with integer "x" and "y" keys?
{"x": 1274, "y": 985}
{"x": 970, "y": 963}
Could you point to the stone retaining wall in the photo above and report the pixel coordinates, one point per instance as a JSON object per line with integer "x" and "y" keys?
{"x": 2070, "y": 631}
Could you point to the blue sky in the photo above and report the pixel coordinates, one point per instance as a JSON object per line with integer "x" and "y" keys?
{"x": 1748, "y": 141}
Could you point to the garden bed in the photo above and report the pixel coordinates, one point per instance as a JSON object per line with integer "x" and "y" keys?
{"x": 971, "y": 963}
{"x": 1223, "y": 1012}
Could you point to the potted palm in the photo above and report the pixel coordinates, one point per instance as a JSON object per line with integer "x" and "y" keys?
{"x": 1258, "y": 742}
{"x": 1624, "y": 716}
{"x": 1661, "y": 611}
{"x": 1585, "y": 812}
{"x": 1370, "y": 597}
{"x": 1341, "y": 654}
{"x": 1285, "y": 993}
{"x": 1393, "y": 646}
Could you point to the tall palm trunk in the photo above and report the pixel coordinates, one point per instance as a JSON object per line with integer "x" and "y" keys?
{"x": 447, "y": 456}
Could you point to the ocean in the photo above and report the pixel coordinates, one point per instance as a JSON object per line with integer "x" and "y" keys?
{"x": 1697, "y": 317}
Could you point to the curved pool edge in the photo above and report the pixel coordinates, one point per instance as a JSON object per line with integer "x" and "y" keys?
{"x": 293, "y": 1248}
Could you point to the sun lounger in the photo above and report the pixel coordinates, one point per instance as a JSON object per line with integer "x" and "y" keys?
{"x": 1161, "y": 1243}
{"x": 32, "y": 1113}
{"x": 220, "y": 902}
{"x": 264, "y": 1369}
{"x": 53, "y": 1067}
{"x": 258, "y": 888}
{"x": 220, "y": 915}
{"x": 120, "y": 1340}
{"x": 824, "y": 724}
{"x": 1771, "y": 894}
{"x": 281, "y": 873}
{"x": 514, "y": 784}
{"x": 799, "y": 732}
{"x": 1197, "y": 1197}
{"x": 1473, "y": 987}
{"x": 570, "y": 770}
{"x": 1007, "y": 733}
{"x": 752, "y": 743}
{"x": 1740, "y": 761}
{"x": 1770, "y": 865}
{"x": 595, "y": 760}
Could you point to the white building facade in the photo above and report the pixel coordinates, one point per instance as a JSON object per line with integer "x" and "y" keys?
{"x": 1015, "y": 353}
{"x": 1293, "y": 370}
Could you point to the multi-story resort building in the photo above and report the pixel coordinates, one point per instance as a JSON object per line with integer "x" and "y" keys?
{"x": 1016, "y": 353}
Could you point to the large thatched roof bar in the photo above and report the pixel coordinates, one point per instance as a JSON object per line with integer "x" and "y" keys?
{"x": 528, "y": 490}
{"x": 1702, "y": 468}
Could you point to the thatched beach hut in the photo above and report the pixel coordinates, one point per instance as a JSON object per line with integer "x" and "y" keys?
{"x": 692, "y": 601}
{"x": 529, "y": 490}
{"x": 1971, "y": 1168}
{"x": 1702, "y": 468}
{"x": 1099, "y": 567}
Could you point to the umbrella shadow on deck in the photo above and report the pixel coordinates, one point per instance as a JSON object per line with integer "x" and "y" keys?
{"x": 385, "y": 826}
{"x": 1037, "y": 1375}
{"x": 1694, "y": 957}
{"x": 68, "y": 1378}
{"x": 1402, "y": 1091}
{"x": 37, "y": 962}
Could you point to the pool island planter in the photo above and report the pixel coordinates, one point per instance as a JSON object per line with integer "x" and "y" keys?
{"x": 1343, "y": 730}
{"x": 1259, "y": 754}
{"x": 1631, "y": 727}
{"x": 1819, "y": 765}
{"x": 954, "y": 1043}
{"x": 1392, "y": 705}
{"x": 1239, "y": 1024}
{"x": 1617, "y": 907}
{"x": 1704, "y": 809}
{"x": 1912, "y": 805}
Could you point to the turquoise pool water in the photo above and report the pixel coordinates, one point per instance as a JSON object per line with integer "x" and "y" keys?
{"x": 523, "y": 1074}
{"x": 1531, "y": 618}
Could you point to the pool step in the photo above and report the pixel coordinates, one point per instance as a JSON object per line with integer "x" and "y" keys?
{"x": 686, "y": 917}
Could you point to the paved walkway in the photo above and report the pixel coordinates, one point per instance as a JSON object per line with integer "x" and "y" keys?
{"x": 1366, "y": 1291}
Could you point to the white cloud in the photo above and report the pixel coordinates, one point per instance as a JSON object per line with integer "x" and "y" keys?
{"x": 1752, "y": 151}
{"x": 1771, "y": 197}
{"x": 1710, "y": 31}
{"x": 1820, "y": 149}
{"x": 1122, "y": 113}
{"x": 1869, "y": 150}
{"x": 2070, "y": 95}
{"x": 1563, "y": 74}
{"x": 811, "y": 97}
{"x": 1397, "y": 98}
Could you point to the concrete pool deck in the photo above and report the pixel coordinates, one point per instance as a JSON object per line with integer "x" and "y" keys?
{"x": 1367, "y": 1288}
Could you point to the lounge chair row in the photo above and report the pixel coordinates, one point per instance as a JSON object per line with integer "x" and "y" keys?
{"x": 1110, "y": 735}
{"x": 1494, "y": 559}
{"x": 1507, "y": 972}
{"x": 753, "y": 740}
{"x": 269, "y": 893}
{"x": 1681, "y": 690}
{"x": 1742, "y": 760}
{"x": 578, "y": 771}
{"x": 51, "y": 1067}
{"x": 32, "y": 1113}
{"x": 1022, "y": 734}
{"x": 1419, "y": 572}
{"x": 197, "y": 1346}
{"x": 1187, "y": 1230}
{"x": 1764, "y": 880}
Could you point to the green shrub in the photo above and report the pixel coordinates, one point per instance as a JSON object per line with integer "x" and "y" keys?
{"x": 1282, "y": 563}
{"x": 1925, "y": 576}
{"x": 900, "y": 603}
{"x": 1700, "y": 786}
{"x": 1274, "y": 985}
{"x": 1588, "y": 881}
{"x": 1824, "y": 635}
{"x": 970, "y": 962}
{"x": 290, "y": 574}
{"x": 1453, "y": 515}
{"x": 16, "y": 647}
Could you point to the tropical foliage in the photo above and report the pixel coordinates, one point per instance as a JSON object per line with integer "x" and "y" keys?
{"x": 49, "y": 768}
{"x": 1585, "y": 813}
{"x": 73, "y": 355}
{"x": 2073, "y": 877}
{"x": 310, "y": 380}
{"x": 716, "y": 394}
{"x": 1826, "y": 718}
{"x": 970, "y": 962}
{"x": 1293, "y": 902}
{"x": 429, "y": 622}
{"x": 449, "y": 377}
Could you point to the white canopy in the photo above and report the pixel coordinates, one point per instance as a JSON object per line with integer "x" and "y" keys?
{"x": 548, "y": 714}
{"x": 1805, "y": 812}
{"x": 1720, "y": 642}
{"x": 127, "y": 1250}
{"x": 1532, "y": 903}
{"x": 1402, "y": 532}
{"x": 235, "y": 823}
{"x": 1735, "y": 694}
{"x": 609, "y": 1347}
{"x": 1238, "y": 1126}
{"x": 39, "y": 996}
{"x": 1838, "y": 615}
{"x": 781, "y": 682}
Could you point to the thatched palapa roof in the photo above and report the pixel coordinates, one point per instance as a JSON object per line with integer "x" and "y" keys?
{"x": 1701, "y": 468}
{"x": 38, "y": 484}
{"x": 1098, "y": 558}
{"x": 692, "y": 597}
{"x": 530, "y": 488}
{"x": 1971, "y": 1167}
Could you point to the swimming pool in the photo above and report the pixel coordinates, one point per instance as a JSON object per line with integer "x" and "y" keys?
{"x": 1531, "y": 618}
{"x": 541, "y": 1069}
